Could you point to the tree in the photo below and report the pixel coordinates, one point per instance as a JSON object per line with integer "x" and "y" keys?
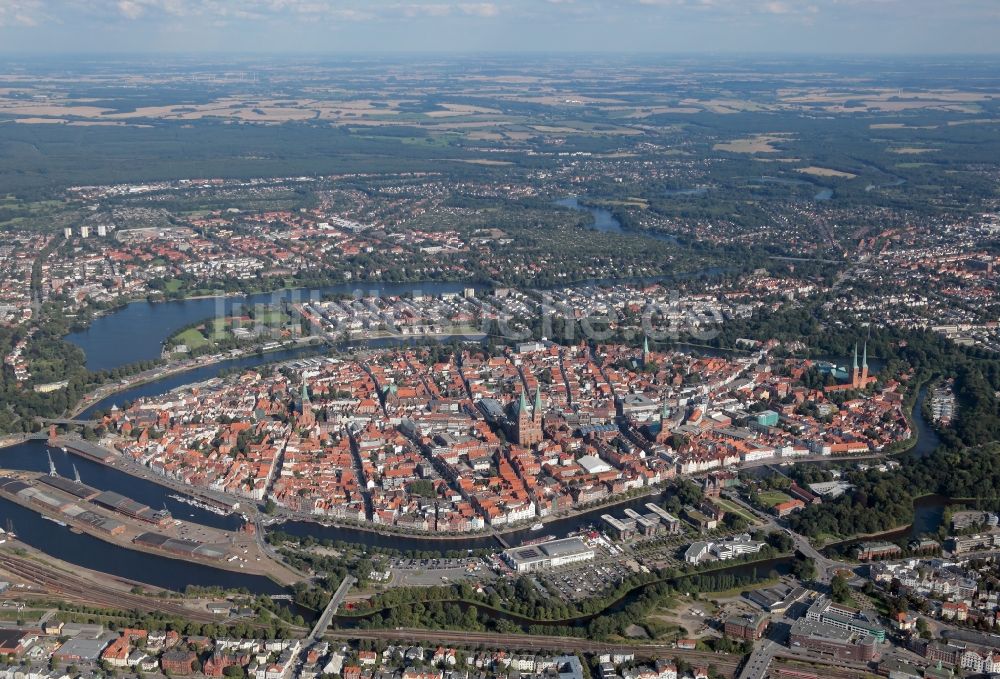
{"x": 804, "y": 569}
{"x": 839, "y": 589}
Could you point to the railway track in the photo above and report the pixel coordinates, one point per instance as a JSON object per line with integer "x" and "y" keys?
{"x": 724, "y": 663}
{"x": 787, "y": 668}
{"x": 66, "y": 584}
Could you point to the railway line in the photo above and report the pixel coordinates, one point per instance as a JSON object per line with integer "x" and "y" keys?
{"x": 786, "y": 668}
{"x": 726, "y": 664}
{"x": 73, "y": 587}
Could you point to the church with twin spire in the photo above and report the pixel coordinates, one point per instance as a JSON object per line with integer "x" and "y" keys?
{"x": 529, "y": 424}
{"x": 860, "y": 379}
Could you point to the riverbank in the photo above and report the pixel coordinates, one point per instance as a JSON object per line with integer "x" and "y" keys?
{"x": 522, "y": 528}
{"x": 184, "y": 366}
{"x": 925, "y": 512}
{"x": 54, "y": 576}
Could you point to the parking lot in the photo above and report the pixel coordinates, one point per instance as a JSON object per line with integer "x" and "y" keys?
{"x": 429, "y": 572}
{"x": 580, "y": 583}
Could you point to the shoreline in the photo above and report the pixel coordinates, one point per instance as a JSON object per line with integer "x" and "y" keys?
{"x": 88, "y": 403}
{"x": 386, "y": 531}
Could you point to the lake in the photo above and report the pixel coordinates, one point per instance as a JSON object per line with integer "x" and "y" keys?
{"x": 605, "y": 222}
{"x": 136, "y": 331}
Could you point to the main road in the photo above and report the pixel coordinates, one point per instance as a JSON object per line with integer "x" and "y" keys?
{"x": 324, "y": 620}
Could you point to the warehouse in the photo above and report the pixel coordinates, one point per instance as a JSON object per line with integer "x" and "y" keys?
{"x": 131, "y": 508}
{"x": 70, "y": 487}
{"x": 178, "y": 546}
{"x": 83, "y": 649}
{"x": 548, "y": 555}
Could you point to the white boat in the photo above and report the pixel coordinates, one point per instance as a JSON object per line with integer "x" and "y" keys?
{"x": 49, "y": 518}
{"x": 538, "y": 526}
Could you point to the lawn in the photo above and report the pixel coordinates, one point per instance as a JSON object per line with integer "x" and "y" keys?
{"x": 192, "y": 338}
{"x": 770, "y": 498}
{"x": 734, "y": 508}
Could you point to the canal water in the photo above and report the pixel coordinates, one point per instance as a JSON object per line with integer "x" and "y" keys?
{"x": 927, "y": 439}
{"x": 928, "y": 513}
{"x": 559, "y": 528}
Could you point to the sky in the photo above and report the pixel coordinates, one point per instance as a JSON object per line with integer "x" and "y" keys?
{"x": 32, "y": 27}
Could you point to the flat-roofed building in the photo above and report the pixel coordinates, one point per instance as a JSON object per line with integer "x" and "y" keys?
{"x": 833, "y": 641}
{"x": 826, "y": 611}
{"x": 548, "y": 555}
{"x": 671, "y": 522}
{"x": 14, "y": 642}
{"x": 618, "y": 529}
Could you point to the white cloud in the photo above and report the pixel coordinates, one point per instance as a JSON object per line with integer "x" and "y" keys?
{"x": 481, "y": 9}
{"x": 21, "y": 13}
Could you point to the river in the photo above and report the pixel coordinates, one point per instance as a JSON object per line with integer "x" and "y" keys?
{"x": 162, "y": 386}
{"x": 558, "y": 527}
{"x": 90, "y": 552}
{"x": 927, "y": 439}
{"x": 93, "y": 553}
{"x": 31, "y": 456}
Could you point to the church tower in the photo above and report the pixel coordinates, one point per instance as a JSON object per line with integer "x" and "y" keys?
{"x": 529, "y": 424}
{"x": 856, "y": 371}
{"x": 864, "y": 366}
{"x": 306, "y": 417}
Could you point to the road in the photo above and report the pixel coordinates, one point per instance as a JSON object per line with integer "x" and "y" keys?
{"x": 825, "y": 567}
{"x": 324, "y": 620}
{"x": 758, "y": 662}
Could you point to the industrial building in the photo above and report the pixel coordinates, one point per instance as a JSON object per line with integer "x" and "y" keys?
{"x": 123, "y": 505}
{"x": 179, "y": 546}
{"x": 548, "y": 555}
{"x": 83, "y": 648}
